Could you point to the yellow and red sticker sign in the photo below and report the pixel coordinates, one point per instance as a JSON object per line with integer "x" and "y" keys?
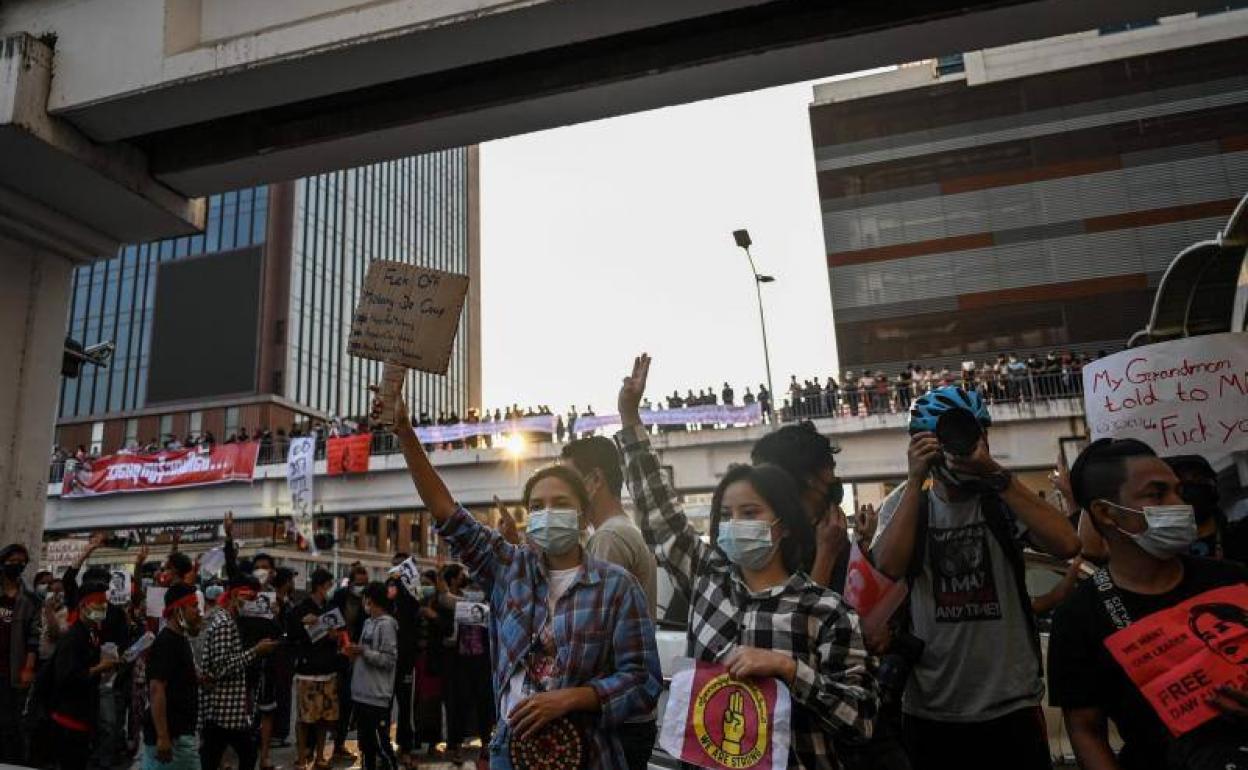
{"x": 715, "y": 721}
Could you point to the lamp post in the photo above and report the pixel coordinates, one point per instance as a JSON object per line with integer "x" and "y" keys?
{"x": 742, "y": 237}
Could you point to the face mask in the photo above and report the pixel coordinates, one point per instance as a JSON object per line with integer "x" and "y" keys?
{"x": 212, "y": 593}
{"x": 747, "y": 544}
{"x": 1171, "y": 529}
{"x": 42, "y": 591}
{"x": 261, "y": 574}
{"x": 426, "y": 592}
{"x": 95, "y": 615}
{"x": 14, "y": 571}
{"x": 555, "y": 531}
{"x": 357, "y": 590}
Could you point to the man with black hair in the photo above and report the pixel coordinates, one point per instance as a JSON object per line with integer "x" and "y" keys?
{"x": 350, "y": 601}
{"x": 283, "y": 658}
{"x": 229, "y": 704}
{"x": 171, "y": 719}
{"x": 19, "y": 649}
{"x": 810, "y": 458}
{"x": 73, "y": 697}
{"x": 316, "y": 672}
{"x": 1133, "y": 499}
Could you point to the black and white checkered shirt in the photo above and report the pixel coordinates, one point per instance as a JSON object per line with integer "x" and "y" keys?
{"x": 226, "y": 700}
{"x": 834, "y": 691}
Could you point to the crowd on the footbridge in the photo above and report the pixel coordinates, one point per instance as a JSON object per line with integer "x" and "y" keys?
{"x": 540, "y": 639}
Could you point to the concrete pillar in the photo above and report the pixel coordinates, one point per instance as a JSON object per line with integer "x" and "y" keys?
{"x": 34, "y": 298}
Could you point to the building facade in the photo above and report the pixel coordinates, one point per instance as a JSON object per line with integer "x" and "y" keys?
{"x": 246, "y": 325}
{"x": 1026, "y": 198}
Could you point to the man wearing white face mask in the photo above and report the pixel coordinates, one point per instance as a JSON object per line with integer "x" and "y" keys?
{"x": 1133, "y": 499}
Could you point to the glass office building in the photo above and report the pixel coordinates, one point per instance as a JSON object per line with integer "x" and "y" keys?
{"x": 1026, "y": 198}
{"x": 246, "y": 325}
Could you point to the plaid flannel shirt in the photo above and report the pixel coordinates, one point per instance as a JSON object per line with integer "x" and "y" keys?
{"x": 226, "y": 700}
{"x": 603, "y": 631}
{"x": 834, "y": 691}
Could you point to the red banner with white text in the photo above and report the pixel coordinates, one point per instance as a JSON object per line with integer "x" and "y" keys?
{"x": 347, "y": 454}
{"x": 170, "y": 469}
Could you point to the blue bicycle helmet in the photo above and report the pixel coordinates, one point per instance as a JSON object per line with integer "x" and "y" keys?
{"x": 928, "y": 408}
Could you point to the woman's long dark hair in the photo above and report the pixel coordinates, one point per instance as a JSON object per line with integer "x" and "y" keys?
{"x": 777, "y": 487}
{"x": 564, "y": 474}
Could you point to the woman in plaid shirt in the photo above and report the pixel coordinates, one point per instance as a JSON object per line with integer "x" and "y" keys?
{"x": 752, "y": 608}
{"x": 571, "y": 636}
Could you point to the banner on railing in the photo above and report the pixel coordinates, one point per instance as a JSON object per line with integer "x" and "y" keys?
{"x": 443, "y": 434}
{"x": 300, "y": 476}
{"x": 347, "y": 454}
{"x": 717, "y": 414}
{"x": 1189, "y": 396}
{"x": 170, "y": 469}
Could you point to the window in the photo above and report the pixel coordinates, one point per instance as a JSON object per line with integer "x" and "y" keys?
{"x": 949, "y": 64}
{"x": 166, "y": 426}
{"x": 196, "y": 424}
{"x": 231, "y": 420}
{"x": 132, "y": 432}
{"x": 97, "y": 438}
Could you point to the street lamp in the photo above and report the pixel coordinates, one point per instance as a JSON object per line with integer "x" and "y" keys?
{"x": 742, "y": 237}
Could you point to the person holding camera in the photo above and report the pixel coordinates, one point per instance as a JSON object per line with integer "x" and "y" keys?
{"x": 973, "y": 697}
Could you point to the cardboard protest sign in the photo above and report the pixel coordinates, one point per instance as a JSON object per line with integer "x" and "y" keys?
{"x": 715, "y": 721}
{"x": 1179, "y": 656}
{"x": 472, "y": 613}
{"x": 119, "y": 587}
{"x": 330, "y": 621}
{"x": 59, "y": 555}
{"x": 1189, "y": 396}
{"x": 408, "y": 315}
{"x": 263, "y": 606}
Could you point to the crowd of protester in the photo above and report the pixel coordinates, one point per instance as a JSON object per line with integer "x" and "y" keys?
{"x": 563, "y": 649}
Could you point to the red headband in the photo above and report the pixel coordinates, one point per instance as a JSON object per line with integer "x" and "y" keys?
{"x": 98, "y": 596}
{"x": 246, "y": 593}
{"x": 185, "y": 601}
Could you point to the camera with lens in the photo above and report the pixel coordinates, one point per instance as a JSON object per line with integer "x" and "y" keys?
{"x": 958, "y": 432}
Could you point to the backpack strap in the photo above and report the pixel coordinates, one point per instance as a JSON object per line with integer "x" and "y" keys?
{"x": 1111, "y": 600}
{"x": 1000, "y": 521}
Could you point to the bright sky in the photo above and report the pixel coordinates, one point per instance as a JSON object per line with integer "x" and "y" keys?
{"x": 606, "y": 239}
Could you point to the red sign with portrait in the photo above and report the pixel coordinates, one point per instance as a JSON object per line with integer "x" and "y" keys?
{"x": 135, "y": 472}
{"x": 1178, "y": 657}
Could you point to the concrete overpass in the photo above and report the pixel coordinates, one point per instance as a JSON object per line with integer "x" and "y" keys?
{"x": 115, "y": 116}
{"x": 1024, "y": 438}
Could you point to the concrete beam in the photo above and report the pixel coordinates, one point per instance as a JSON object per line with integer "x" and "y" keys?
{"x": 59, "y": 190}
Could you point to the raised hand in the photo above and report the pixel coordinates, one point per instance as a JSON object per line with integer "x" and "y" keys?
{"x": 227, "y": 524}
{"x": 734, "y": 723}
{"x": 506, "y": 524}
{"x": 402, "y": 420}
{"x": 632, "y": 390}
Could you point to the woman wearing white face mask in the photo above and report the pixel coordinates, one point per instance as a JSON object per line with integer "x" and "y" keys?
{"x": 751, "y": 606}
{"x": 573, "y": 644}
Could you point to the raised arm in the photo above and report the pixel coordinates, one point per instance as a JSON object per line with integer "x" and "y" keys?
{"x": 429, "y": 484}
{"x": 659, "y": 513}
{"x": 894, "y": 546}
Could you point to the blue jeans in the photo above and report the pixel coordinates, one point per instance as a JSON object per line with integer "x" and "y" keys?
{"x": 185, "y": 755}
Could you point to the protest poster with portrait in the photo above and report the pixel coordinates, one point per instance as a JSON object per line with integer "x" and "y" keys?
{"x": 330, "y": 621}
{"x": 1188, "y": 396}
{"x": 409, "y": 574}
{"x": 715, "y": 721}
{"x": 263, "y": 606}
{"x": 119, "y": 587}
{"x": 472, "y": 613}
{"x": 1178, "y": 657}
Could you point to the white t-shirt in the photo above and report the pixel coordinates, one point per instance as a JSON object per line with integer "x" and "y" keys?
{"x": 559, "y": 580}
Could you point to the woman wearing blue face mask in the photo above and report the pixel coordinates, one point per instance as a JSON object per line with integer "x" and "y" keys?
{"x": 752, "y": 608}
{"x": 574, "y": 654}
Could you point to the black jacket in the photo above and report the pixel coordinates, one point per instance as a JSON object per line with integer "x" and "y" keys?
{"x": 312, "y": 658}
{"x": 76, "y": 693}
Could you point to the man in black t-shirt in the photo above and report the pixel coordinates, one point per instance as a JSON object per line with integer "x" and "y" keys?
{"x": 1134, "y": 502}
{"x": 169, "y": 741}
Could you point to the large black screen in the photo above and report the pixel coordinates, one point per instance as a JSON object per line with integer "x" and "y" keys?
{"x": 204, "y": 334}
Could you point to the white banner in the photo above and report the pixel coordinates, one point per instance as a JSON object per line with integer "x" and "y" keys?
{"x": 299, "y": 477}
{"x": 59, "y": 555}
{"x": 1188, "y": 396}
{"x": 714, "y": 414}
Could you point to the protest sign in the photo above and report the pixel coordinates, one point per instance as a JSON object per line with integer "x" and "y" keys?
{"x": 347, "y": 454}
{"x": 1178, "y": 657}
{"x": 409, "y": 573}
{"x": 870, "y": 592}
{"x": 140, "y": 645}
{"x": 330, "y": 621}
{"x": 263, "y": 606}
{"x": 167, "y": 469}
{"x": 1189, "y": 396}
{"x": 59, "y": 555}
{"x": 119, "y": 587}
{"x": 299, "y": 480}
{"x": 407, "y": 315}
{"x": 472, "y": 613}
{"x": 156, "y": 601}
{"x": 715, "y": 721}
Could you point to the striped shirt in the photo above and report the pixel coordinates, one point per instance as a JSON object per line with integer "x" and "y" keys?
{"x": 834, "y": 691}
{"x": 602, "y": 629}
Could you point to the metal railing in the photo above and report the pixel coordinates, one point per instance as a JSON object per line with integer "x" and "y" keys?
{"x": 881, "y": 398}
